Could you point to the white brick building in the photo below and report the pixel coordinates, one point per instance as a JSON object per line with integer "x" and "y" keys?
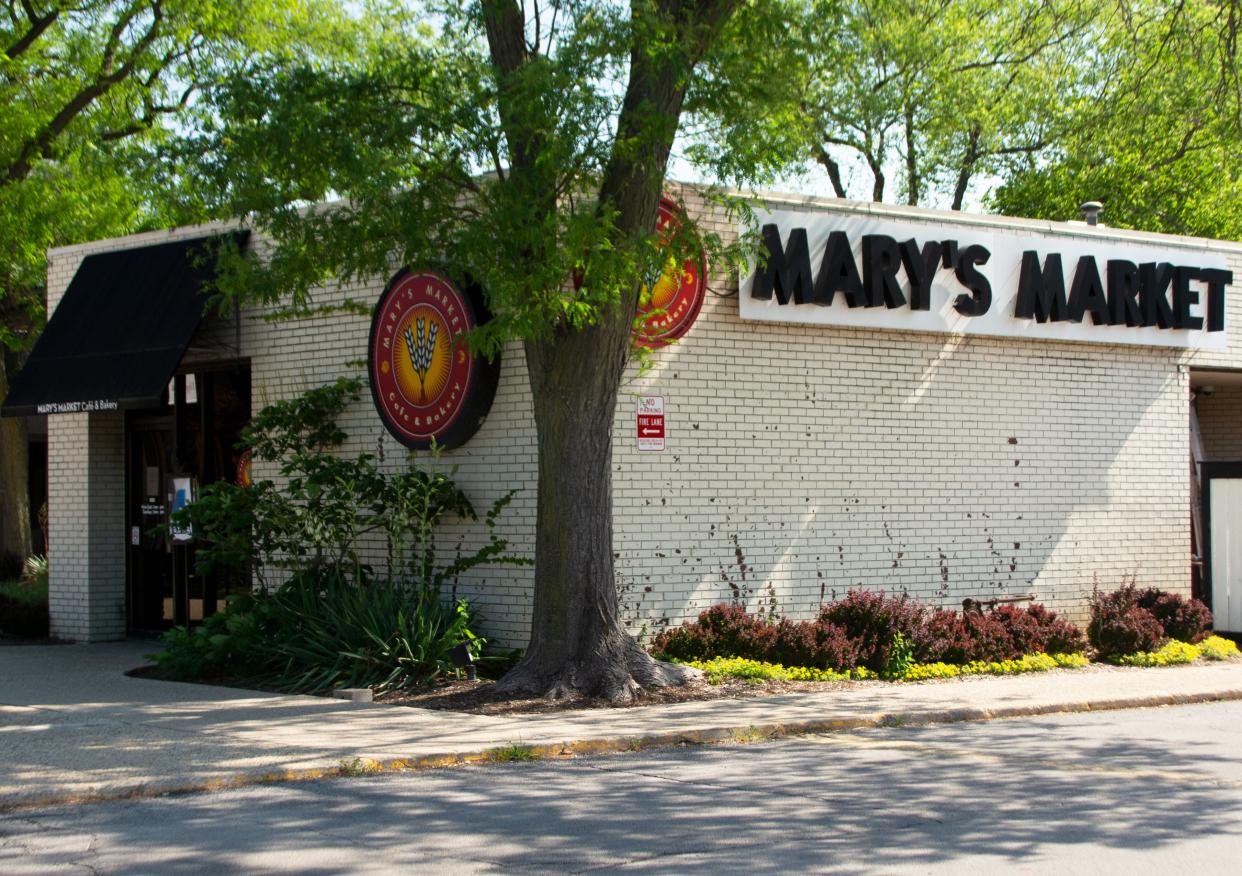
{"x": 801, "y": 460}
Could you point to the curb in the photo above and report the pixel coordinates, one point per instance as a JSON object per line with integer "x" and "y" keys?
{"x": 359, "y": 767}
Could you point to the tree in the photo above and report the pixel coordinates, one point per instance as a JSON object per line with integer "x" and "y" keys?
{"x": 525, "y": 145}
{"x": 929, "y": 94}
{"x": 89, "y": 90}
{"x": 1160, "y": 140}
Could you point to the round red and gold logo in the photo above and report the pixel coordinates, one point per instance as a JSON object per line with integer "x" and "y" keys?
{"x": 674, "y": 300}
{"x": 426, "y": 385}
{"x": 244, "y": 476}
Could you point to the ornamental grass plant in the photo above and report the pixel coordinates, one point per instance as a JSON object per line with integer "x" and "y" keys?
{"x": 324, "y": 630}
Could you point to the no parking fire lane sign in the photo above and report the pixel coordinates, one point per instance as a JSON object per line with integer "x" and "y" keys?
{"x": 650, "y": 422}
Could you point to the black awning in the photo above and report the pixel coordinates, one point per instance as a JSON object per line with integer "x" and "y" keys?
{"x": 119, "y": 331}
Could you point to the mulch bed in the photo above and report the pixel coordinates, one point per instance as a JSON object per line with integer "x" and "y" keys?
{"x": 482, "y": 698}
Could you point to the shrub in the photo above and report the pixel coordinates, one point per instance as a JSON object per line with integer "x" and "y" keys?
{"x": 1119, "y": 625}
{"x": 717, "y": 669}
{"x": 332, "y": 624}
{"x": 899, "y": 659}
{"x": 942, "y": 638}
{"x": 1172, "y": 653}
{"x": 35, "y": 572}
{"x": 326, "y": 505}
{"x": 872, "y": 620}
{"x": 1186, "y": 620}
{"x": 990, "y": 639}
{"x": 1036, "y": 629}
{"x": 818, "y": 644}
{"x": 1057, "y": 635}
{"x": 323, "y": 630}
{"x": 724, "y": 630}
{"x": 23, "y": 609}
{"x": 863, "y": 629}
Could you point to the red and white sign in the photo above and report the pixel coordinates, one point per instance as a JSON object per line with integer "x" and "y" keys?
{"x": 650, "y": 422}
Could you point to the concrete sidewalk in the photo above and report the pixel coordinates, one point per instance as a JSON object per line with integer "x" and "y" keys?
{"x": 74, "y": 727}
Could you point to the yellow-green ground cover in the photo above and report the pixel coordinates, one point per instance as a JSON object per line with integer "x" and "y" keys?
{"x": 719, "y": 669}
{"x": 1211, "y": 648}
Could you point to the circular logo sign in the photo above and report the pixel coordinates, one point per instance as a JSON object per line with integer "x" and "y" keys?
{"x": 244, "y": 476}
{"x": 426, "y": 386}
{"x": 674, "y": 300}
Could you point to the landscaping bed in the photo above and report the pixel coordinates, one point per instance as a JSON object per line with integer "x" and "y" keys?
{"x": 334, "y": 622}
{"x": 481, "y": 698}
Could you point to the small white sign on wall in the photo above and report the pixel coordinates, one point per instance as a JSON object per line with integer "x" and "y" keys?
{"x": 650, "y": 422}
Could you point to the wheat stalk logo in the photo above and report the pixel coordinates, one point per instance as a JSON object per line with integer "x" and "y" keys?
{"x": 422, "y": 350}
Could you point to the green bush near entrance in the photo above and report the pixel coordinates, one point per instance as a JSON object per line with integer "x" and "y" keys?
{"x": 23, "y": 608}
{"x": 321, "y": 631}
{"x": 332, "y": 622}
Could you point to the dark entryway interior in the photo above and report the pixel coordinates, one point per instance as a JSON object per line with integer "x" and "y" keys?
{"x": 1216, "y": 482}
{"x": 173, "y": 450}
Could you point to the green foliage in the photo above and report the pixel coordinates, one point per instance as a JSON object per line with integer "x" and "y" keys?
{"x": 445, "y": 149}
{"x": 1175, "y": 652}
{"x": 332, "y": 624}
{"x": 720, "y": 669}
{"x": 91, "y": 90}
{"x": 930, "y": 94}
{"x": 513, "y": 753}
{"x": 34, "y": 573}
{"x": 21, "y": 590}
{"x": 900, "y": 657}
{"x": 324, "y": 505}
{"x": 1155, "y": 135}
{"x": 23, "y": 608}
{"x": 321, "y": 631}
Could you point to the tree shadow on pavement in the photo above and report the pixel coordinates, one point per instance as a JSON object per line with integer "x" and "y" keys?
{"x": 1006, "y": 794}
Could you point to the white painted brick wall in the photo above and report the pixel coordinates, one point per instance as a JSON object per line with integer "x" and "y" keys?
{"x": 803, "y": 461}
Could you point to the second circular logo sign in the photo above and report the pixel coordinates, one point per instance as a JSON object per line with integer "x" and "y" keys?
{"x": 674, "y": 300}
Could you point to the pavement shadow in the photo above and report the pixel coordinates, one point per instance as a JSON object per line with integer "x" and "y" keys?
{"x": 963, "y": 796}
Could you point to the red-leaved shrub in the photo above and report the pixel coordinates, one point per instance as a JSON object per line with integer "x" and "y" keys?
{"x": 942, "y": 637}
{"x": 813, "y": 643}
{"x": 1057, "y": 635}
{"x": 724, "y": 630}
{"x": 1187, "y": 620}
{"x": 989, "y": 637}
{"x": 1119, "y": 625}
{"x": 859, "y": 630}
{"x": 871, "y": 620}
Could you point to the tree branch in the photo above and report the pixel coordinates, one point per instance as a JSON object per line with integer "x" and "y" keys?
{"x": 38, "y": 24}
{"x": 40, "y": 145}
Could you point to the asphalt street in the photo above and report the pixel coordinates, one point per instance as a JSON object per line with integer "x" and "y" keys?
{"x": 1140, "y": 791}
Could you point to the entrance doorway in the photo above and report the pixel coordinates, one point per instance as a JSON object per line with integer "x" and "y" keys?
{"x": 1222, "y": 502}
{"x": 172, "y": 452}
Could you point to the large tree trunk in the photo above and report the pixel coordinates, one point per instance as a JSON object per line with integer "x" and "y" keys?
{"x": 578, "y": 644}
{"x": 15, "y": 539}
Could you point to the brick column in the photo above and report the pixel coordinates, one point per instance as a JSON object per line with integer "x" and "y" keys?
{"x": 86, "y": 519}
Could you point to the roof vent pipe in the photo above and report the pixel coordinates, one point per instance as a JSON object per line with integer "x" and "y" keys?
{"x": 1091, "y": 212}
